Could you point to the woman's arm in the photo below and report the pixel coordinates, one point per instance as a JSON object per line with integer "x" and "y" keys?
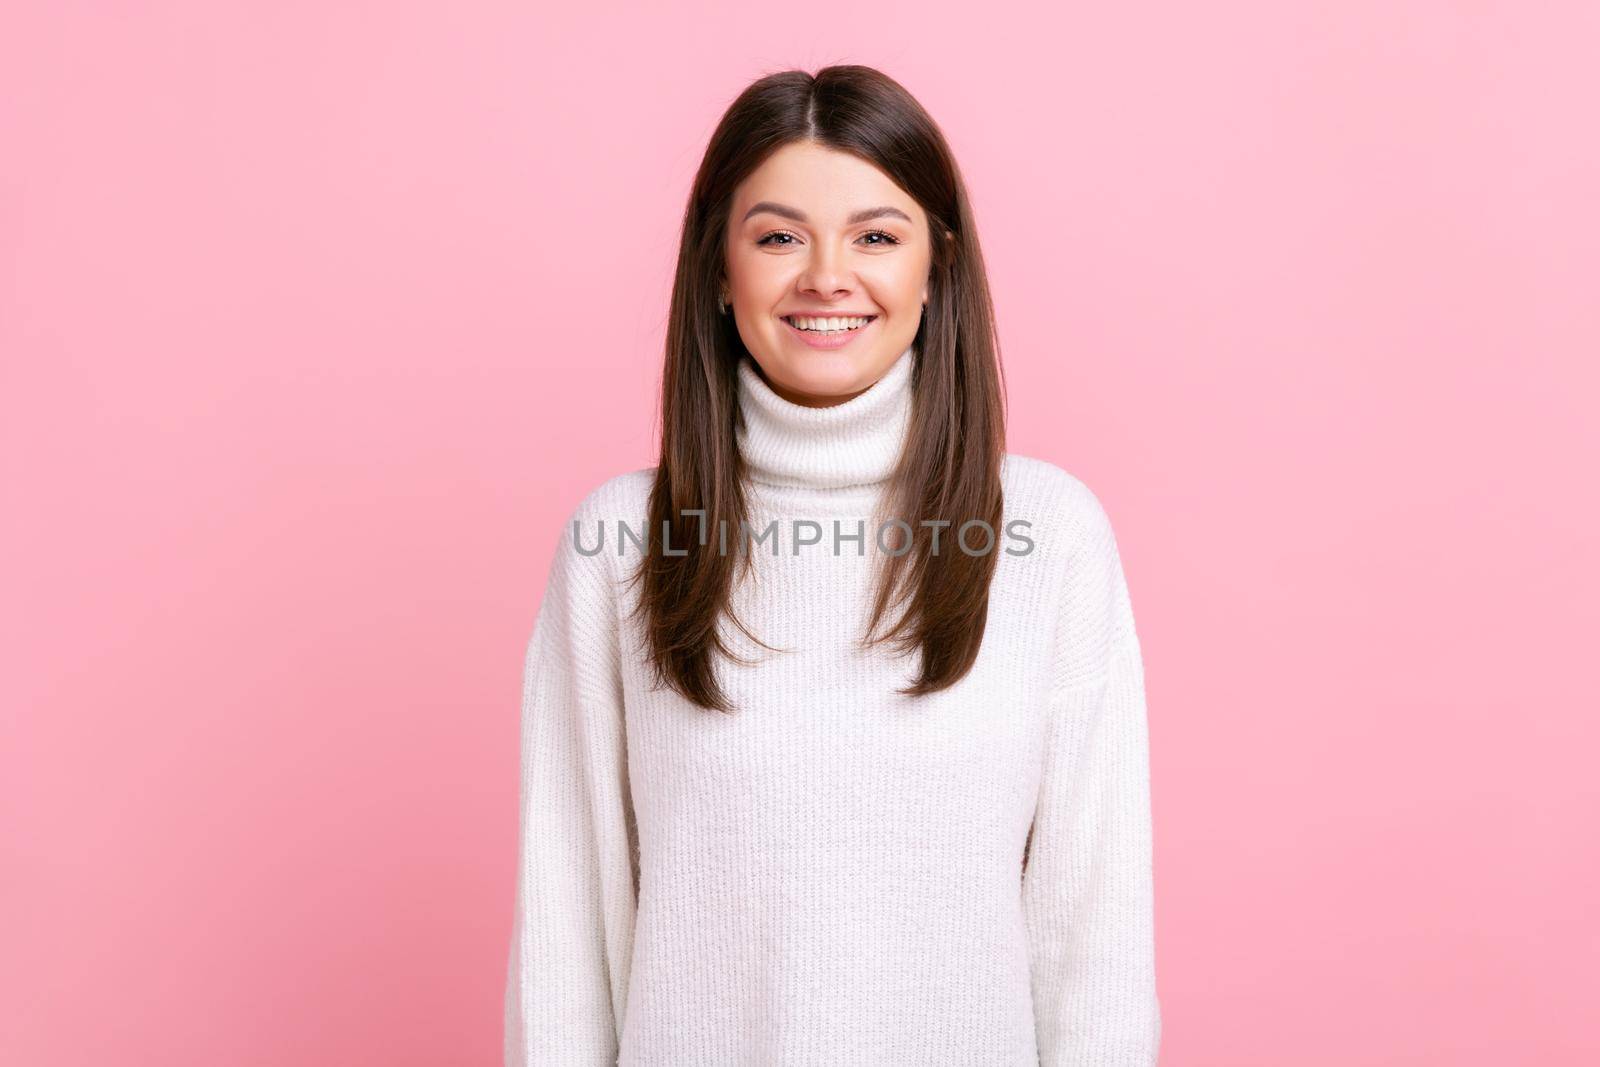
{"x": 1087, "y": 884}
{"x": 576, "y": 894}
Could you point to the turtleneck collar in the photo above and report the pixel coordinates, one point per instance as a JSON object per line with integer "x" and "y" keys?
{"x": 856, "y": 443}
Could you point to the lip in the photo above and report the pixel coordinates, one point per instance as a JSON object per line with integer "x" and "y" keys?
{"x": 829, "y": 315}
{"x": 817, "y": 340}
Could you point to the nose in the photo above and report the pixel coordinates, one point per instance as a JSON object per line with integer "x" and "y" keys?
{"x": 825, "y": 272}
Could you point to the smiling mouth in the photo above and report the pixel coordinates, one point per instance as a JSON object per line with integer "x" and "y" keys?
{"x": 836, "y": 325}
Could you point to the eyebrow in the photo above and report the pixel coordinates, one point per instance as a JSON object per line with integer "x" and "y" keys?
{"x": 800, "y": 216}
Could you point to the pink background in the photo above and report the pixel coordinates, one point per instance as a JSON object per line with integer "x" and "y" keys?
{"x": 317, "y": 319}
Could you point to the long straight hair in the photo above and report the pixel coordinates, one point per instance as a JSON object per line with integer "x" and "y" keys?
{"x": 950, "y": 467}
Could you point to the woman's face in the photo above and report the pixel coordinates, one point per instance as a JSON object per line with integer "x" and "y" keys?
{"x": 818, "y": 233}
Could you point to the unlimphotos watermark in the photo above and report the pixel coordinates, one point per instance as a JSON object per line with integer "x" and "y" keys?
{"x": 975, "y": 537}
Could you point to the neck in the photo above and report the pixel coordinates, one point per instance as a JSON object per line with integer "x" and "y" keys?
{"x": 853, "y": 444}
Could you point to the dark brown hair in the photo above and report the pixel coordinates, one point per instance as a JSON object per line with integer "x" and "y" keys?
{"x": 950, "y": 467}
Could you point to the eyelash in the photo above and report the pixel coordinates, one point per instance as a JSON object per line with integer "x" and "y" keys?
{"x": 890, "y": 239}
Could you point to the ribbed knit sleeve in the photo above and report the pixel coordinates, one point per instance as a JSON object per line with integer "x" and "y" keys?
{"x": 1087, "y": 884}
{"x": 576, "y": 891}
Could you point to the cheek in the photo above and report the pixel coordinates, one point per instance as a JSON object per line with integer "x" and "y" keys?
{"x": 759, "y": 277}
{"x": 898, "y": 286}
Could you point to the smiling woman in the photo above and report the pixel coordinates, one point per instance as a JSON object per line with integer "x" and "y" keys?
{"x": 833, "y": 277}
{"x": 756, "y": 829}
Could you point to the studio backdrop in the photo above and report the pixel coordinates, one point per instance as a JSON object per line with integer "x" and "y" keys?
{"x": 319, "y": 321}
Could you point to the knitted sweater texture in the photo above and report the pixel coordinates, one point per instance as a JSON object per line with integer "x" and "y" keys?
{"x": 835, "y": 873}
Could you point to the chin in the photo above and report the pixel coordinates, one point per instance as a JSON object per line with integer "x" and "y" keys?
{"x": 827, "y": 374}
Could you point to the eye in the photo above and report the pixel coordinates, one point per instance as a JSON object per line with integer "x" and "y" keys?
{"x": 789, "y": 239}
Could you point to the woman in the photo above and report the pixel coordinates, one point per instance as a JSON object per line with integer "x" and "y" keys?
{"x": 754, "y": 828}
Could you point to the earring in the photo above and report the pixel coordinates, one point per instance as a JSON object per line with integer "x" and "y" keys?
{"x": 722, "y": 304}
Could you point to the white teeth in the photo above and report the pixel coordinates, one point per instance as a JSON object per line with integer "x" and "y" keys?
{"x": 830, "y": 325}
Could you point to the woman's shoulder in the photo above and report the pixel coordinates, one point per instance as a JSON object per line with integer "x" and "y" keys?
{"x": 592, "y": 529}
{"x": 1075, "y": 531}
{"x": 621, "y": 497}
{"x": 1043, "y": 492}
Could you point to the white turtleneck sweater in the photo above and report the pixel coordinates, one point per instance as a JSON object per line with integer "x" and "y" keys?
{"x": 834, "y": 874}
